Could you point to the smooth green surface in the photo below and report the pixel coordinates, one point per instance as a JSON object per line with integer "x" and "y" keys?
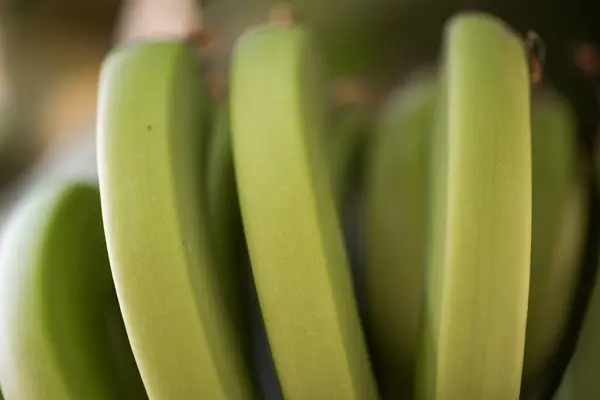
{"x": 478, "y": 264}
{"x": 223, "y": 213}
{"x": 580, "y": 381}
{"x": 151, "y": 176}
{"x": 222, "y": 203}
{"x": 290, "y": 220}
{"x": 62, "y": 333}
{"x": 558, "y": 227}
{"x": 395, "y": 218}
{"x": 395, "y": 221}
{"x": 346, "y": 147}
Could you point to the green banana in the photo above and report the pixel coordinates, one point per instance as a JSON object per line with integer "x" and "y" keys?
{"x": 395, "y": 220}
{"x": 224, "y": 219}
{"x": 151, "y": 170}
{"x": 222, "y": 204}
{"x": 293, "y": 235}
{"x": 477, "y": 282}
{"x": 345, "y": 149}
{"x": 580, "y": 381}
{"x": 63, "y": 336}
{"x": 395, "y": 206}
{"x": 559, "y": 213}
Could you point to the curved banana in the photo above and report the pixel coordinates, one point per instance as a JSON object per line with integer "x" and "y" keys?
{"x": 151, "y": 169}
{"x": 395, "y": 220}
{"x": 475, "y": 308}
{"x": 580, "y": 381}
{"x": 62, "y": 336}
{"x": 290, "y": 220}
{"x": 558, "y": 219}
{"x": 224, "y": 219}
{"x": 398, "y": 162}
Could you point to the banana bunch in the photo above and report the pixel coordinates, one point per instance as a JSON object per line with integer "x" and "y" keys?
{"x": 474, "y": 213}
{"x": 398, "y": 185}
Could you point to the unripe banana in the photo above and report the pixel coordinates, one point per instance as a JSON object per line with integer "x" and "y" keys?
{"x": 475, "y": 307}
{"x": 395, "y": 220}
{"x": 559, "y": 213}
{"x": 151, "y": 172}
{"x": 227, "y": 237}
{"x": 580, "y": 381}
{"x": 225, "y": 225}
{"x": 293, "y": 234}
{"x": 346, "y": 147}
{"x": 62, "y": 332}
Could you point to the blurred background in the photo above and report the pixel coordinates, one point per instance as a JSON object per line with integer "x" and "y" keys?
{"x": 51, "y": 52}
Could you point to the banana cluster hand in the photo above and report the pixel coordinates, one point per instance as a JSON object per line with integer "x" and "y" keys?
{"x": 474, "y": 212}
